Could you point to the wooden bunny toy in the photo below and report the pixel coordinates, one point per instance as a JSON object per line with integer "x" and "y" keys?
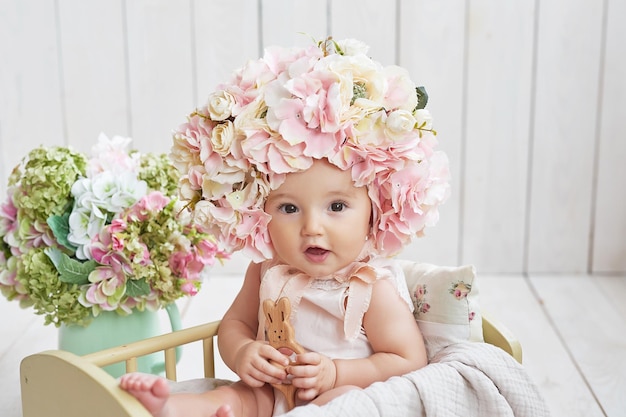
{"x": 280, "y": 334}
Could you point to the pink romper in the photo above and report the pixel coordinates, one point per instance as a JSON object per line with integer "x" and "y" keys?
{"x": 323, "y": 321}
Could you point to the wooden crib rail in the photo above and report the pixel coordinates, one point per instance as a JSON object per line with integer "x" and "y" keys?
{"x": 497, "y": 334}
{"x": 166, "y": 343}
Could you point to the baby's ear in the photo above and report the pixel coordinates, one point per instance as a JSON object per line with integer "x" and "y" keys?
{"x": 284, "y": 306}
{"x": 268, "y": 309}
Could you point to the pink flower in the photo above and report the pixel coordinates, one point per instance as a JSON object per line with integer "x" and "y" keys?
{"x": 189, "y": 288}
{"x": 274, "y": 154}
{"x": 8, "y": 217}
{"x": 103, "y": 252}
{"x": 105, "y": 291}
{"x": 419, "y": 292}
{"x": 460, "y": 290}
{"x": 206, "y": 252}
{"x": 186, "y": 265}
{"x": 400, "y": 88}
{"x": 303, "y": 112}
{"x": 252, "y": 231}
{"x": 153, "y": 202}
{"x": 112, "y": 155}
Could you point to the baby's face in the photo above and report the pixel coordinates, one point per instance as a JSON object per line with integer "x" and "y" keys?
{"x": 320, "y": 220}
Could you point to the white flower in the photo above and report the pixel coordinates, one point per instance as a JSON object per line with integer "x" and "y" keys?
{"x": 360, "y": 69}
{"x": 221, "y": 184}
{"x": 84, "y": 226}
{"x": 96, "y": 200}
{"x": 424, "y": 119}
{"x": 222, "y": 137}
{"x": 353, "y": 47}
{"x": 202, "y": 213}
{"x": 370, "y": 129}
{"x": 183, "y": 153}
{"x": 399, "y": 124}
{"x": 251, "y": 116}
{"x": 117, "y": 144}
{"x": 186, "y": 190}
{"x": 116, "y": 192}
{"x": 220, "y": 105}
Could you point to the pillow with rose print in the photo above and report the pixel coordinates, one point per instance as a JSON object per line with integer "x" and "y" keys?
{"x": 446, "y": 303}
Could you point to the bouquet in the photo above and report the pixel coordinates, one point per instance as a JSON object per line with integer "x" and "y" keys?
{"x": 79, "y": 236}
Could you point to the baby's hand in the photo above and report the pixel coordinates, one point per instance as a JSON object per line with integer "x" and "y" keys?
{"x": 313, "y": 374}
{"x": 254, "y": 367}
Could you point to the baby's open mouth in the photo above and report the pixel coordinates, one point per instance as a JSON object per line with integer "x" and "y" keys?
{"x": 316, "y": 251}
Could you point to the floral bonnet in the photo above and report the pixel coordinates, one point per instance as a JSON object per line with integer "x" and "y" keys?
{"x": 279, "y": 113}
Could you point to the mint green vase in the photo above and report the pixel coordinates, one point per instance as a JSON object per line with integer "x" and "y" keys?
{"x": 110, "y": 329}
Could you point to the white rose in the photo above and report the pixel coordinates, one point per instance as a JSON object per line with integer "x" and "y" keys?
{"x": 398, "y": 124}
{"x": 222, "y": 137}
{"x": 220, "y": 105}
{"x": 203, "y": 214}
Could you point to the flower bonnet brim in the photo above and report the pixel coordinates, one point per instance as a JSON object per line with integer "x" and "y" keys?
{"x": 279, "y": 113}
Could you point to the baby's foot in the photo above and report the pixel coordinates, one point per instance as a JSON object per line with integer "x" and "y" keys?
{"x": 224, "y": 411}
{"x": 152, "y": 391}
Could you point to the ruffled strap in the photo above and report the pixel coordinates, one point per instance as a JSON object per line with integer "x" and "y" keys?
{"x": 361, "y": 276}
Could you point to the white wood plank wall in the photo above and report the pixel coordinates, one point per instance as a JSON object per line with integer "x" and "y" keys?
{"x": 529, "y": 99}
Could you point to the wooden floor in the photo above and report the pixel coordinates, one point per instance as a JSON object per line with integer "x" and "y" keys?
{"x": 572, "y": 329}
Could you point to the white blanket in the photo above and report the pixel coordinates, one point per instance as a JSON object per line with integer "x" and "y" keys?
{"x": 466, "y": 379}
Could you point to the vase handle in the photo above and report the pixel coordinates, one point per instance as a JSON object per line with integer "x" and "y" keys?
{"x": 174, "y": 315}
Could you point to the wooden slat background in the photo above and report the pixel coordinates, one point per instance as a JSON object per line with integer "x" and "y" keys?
{"x": 529, "y": 99}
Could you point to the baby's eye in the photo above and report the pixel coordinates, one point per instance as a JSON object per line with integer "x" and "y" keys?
{"x": 288, "y": 208}
{"x": 337, "y": 206}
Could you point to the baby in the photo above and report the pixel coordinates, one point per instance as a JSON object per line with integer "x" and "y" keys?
{"x": 319, "y": 164}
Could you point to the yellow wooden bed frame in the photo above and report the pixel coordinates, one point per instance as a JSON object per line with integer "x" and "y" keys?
{"x": 56, "y": 383}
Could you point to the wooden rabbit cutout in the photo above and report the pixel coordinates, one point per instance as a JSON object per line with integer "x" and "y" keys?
{"x": 280, "y": 334}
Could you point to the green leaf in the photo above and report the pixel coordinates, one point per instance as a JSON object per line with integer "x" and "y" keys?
{"x": 60, "y": 226}
{"x": 71, "y": 271}
{"x": 137, "y": 287}
{"x": 422, "y": 97}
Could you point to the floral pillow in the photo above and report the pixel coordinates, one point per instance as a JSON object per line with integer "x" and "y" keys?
{"x": 446, "y": 303}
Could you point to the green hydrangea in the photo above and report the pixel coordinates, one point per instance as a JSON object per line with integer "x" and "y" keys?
{"x": 157, "y": 230}
{"x": 159, "y": 173}
{"x": 57, "y": 301}
{"x": 45, "y": 180}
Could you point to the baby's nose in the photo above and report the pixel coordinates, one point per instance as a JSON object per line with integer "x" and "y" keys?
{"x": 312, "y": 225}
